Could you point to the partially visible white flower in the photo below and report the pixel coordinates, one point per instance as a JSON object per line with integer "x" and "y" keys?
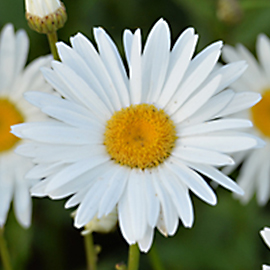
{"x": 14, "y": 81}
{"x": 105, "y": 224}
{"x": 138, "y": 140}
{"x": 254, "y": 176}
{"x": 265, "y": 233}
{"x": 42, "y": 8}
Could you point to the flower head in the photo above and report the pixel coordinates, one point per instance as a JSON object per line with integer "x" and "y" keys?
{"x": 254, "y": 175}
{"x": 265, "y": 233}
{"x": 45, "y": 16}
{"x": 138, "y": 142}
{"x": 14, "y": 81}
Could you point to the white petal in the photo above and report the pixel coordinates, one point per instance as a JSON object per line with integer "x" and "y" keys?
{"x": 179, "y": 195}
{"x": 89, "y": 205}
{"x": 125, "y": 219}
{"x": 230, "y": 73}
{"x": 192, "y": 179}
{"x": 265, "y": 233}
{"x": 91, "y": 57}
{"x": 136, "y": 201}
{"x": 135, "y": 75}
{"x": 54, "y": 105}
{"x": 226, "y": 142}
{"x": 114, "y": 191}
{"x": 146, "y": 242}
{"x": 263, "y": 52}
{"x": 263, "y": 183}
{"x": 218, "y": 177}
{"x": 159, "y": 42}
{"x": 43, "y": 170}
{"x": 168, "y": 219}
{"x": 197, "y": 101}
{"x": 73, "y": 61}
{"x": 155, "y": 65}
{"x": 240, "y": 102}
{"x": 7, "y": 57}
{"x": 43, "y": 153}
{"x": 152, "y": 202}
{"x": 212, "y": 126}
{"x": 127, "y": 40}
{"x": 51, "y": 132}
{"x": 74, "y": 118}
{"x": 197, "y": 72}
{"x": 178, "y": 64}
{"x": 74, "y": 170}
{"x": 6, "y": 187}
{"x": 201, "y": 156}
{"x": 22, "y": 203}
{"x": 82, "y": 91}
{"x": 210, "y": 109}
{"x": 247, "y": 175}
{"x": 22, "y": 48}
{"x": 113, "y": 63}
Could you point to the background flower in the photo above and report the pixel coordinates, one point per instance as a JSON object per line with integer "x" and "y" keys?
{"x": 254, "y": 176}
{"x": 15, "y": 80}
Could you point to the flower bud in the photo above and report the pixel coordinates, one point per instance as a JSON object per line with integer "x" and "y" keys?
{"x": 45, "y": 16}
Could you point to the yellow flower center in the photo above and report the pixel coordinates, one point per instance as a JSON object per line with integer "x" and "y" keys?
{"x": 9, "y": 115}
{"x": 140, "y": 136}
{"x": 261, "y": 114}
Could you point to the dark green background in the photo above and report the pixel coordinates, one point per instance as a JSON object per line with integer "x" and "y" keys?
{"x": 223, "y": 237}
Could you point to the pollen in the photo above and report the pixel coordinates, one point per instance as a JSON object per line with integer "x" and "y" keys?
{"x": 140, "y": 136}
{"x": 9, "y": 115}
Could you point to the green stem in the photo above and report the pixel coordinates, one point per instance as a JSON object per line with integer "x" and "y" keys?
{"x": 155, "y": 259}
{"x": 133, "y": 257}
{"x": 52, "y": 38}
{"x": 4, "y": 251}
{"x": 91, "y": 255}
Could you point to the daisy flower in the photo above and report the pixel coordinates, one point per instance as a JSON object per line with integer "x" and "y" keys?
{"x": 14, "y": 81}
{"x": 254, "y": 176}
{"x": 265, "y": 233}
{"x": 140, "y": 141}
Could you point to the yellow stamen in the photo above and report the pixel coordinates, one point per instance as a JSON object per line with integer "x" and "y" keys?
{"x": 140, "y": 136}
{"x": 261, "y": 114}
{"x": 9, "y": 115}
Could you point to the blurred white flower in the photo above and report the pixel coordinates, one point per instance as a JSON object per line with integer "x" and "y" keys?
{"x": 138, "y": 142}
{"x": 42, "y": 8}
{"x": 265, "y": 233}
{"x": 14, "y": 81}
{"x": 104, "y": 224}
{"x": 254, "y": 175}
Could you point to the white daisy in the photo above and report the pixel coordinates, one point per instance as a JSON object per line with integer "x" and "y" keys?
{"x": 14, "y": 81}
{"x": 254, "y": 175}
{"x": 136, "y": 141}
{"x": 265, "y": 233}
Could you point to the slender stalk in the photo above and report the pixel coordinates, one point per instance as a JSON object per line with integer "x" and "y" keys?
{"x": 52, "y": 38}
{"x": 4, "y": 251}
{"x": 91, "y": 255}
{"x": 155, "y": 259}
{"x": 133, "y": 257}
